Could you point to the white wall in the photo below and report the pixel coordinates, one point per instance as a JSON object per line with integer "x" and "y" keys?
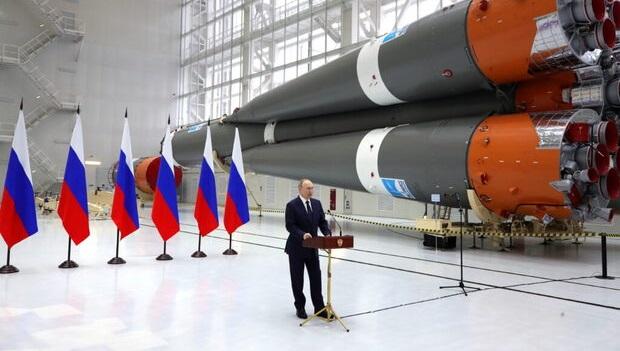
{"x": 17, "y": 23}
{"x": 129, "y": 57}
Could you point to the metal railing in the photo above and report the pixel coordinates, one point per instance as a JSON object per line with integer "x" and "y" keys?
{"x": 33, "y": 46}
{"x": 71, "y": 26}
{"x": 23, "y": 55}
{"x": 6, "y": 131}
{"x": 65, "y": 25}
{"x": 9, "y": 54}
{"x": 45, "y": 171}
{"x": 37, "y": 115}
{"x": 43, "y": 168}
{"x": 42, "y": 82}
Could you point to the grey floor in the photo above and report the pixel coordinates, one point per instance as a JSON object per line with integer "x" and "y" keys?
{"x": 535, "y": 297}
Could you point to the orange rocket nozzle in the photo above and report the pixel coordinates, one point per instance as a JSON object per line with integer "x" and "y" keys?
{"x": 610, "y": 185}
{"x": 601, "y": 159}
{"x": 614, "y": 13}
{"x": 606, "y": 133}
{"x": 578, "y": 132}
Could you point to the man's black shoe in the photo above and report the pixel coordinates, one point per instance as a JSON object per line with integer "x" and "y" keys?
{"x": 301, "y": 313}
{"x": 323, "y": 314}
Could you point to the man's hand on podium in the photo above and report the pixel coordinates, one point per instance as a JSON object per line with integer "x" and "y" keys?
{"x": 307, "y": 236}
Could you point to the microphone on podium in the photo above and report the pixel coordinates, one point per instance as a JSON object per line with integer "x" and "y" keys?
{"x": 334, "y": 218}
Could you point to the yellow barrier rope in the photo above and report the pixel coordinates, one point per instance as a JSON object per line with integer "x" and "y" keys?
{"x": 454, "y": 232}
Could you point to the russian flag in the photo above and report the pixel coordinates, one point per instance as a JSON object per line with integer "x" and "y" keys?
{"x": 236, "y": 211}
{"x": 165, "y": 213}
{"x": 124, "y": 205}
{"x": 18, "y": 219}
{"x": 205, "y": 211}
{"x": 73, "y": 203}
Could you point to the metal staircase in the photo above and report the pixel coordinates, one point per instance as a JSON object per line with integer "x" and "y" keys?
{"x": 67, "y": 26}
{"x": 9, "y": 54}
{"x": 34, "y": 46}
{"x": 44, "y": 171}
{"x": 23, "y": 55}
{"x": 60, "y": 24}
{"x": 37, "y": 115}
{"x": 6, "y": 132}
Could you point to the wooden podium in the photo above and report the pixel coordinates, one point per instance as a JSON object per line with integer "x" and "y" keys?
{"x": 328, "y": 243}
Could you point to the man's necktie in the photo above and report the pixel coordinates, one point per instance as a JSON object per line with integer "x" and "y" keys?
{"x": 308, "y": 209}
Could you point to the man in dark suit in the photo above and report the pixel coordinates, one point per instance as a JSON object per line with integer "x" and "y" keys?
{"x": 304, "y": 216}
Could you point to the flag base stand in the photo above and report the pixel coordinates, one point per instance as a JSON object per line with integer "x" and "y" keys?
{"x": 116, "y": 259}
{"x": 606, "y": 277}
{"x": 164, "y": 256}
{"x": 230, "y": 250}
{"x": 68, "y": 263}
{"x": 8, "y": 269}
{"x": 199, "y": 253}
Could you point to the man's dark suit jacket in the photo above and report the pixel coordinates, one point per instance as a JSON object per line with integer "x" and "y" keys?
{"x": 298, "y": 222}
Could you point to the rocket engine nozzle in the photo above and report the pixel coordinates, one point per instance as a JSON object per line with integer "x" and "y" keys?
{"x": 610, "y": 185}
{"x": 606, "y": 133}
{"x": 589, "y": 175}
{"x": 614, "y": 12}
{"x": 612, "y": 92}
{"x": 596, "y": 157}
{"x": 602, "y": 36}
{"x": 588, "y": 11}
{"x": 578, "y": 132}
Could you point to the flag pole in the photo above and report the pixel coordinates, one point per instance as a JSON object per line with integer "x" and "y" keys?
{"x": 164, "y": 256}
{"x": 116, "y": 259}
{"x": 8, "y": 268}
{"x": 68, "y": 263}
{"x": 230, "y": 250}
{"x": 199, "y": 253}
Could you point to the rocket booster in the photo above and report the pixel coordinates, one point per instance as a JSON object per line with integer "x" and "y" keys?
{"x": 186, "y": 139}
{"x": 473, "y": 45}
{"x": 559, "y": 164}
{"x": 537, "y": 164}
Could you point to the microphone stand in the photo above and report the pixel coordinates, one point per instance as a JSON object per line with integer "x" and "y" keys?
{"x": 335, "y": 221}
{"x": 461, "y": 285}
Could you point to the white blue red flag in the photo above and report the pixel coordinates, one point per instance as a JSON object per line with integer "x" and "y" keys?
{"x": 236, "y": 211}
{"x": 18, "y": 219}
{"x": 165, "y": 213}
{"x": 73, "y": 203}
{"x": 205, "y": 210}
{"x": 124, "y": 205}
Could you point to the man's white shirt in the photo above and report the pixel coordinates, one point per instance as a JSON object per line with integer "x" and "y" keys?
{"x": 303, "y": 200}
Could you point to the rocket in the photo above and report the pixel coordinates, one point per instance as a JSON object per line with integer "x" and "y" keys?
{"x": 505, "y": 107}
